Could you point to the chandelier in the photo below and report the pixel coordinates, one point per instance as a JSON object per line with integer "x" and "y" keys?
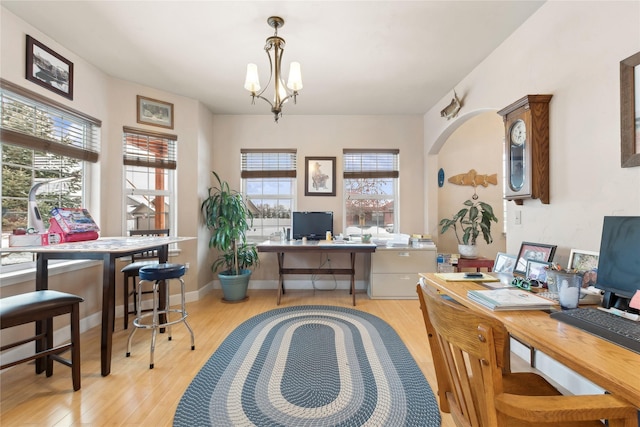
{"x": 281, "y": 93}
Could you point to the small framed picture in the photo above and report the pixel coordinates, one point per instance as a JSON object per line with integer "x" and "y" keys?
{"x": 48, "y": 69}
{"x": 154, "y": 112}
{"x": 504, "y": 263}
{"x": 585, "y": 262}
{"x": 320, "y": 176}
{"x": 535, "y": 252}
{"x": 537, "y": 270}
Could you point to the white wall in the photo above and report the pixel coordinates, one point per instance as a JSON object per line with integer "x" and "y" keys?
{"x": 325, "y": 136}
{"x": 571, "y": 50}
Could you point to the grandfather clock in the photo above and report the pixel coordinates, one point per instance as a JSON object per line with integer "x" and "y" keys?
{"x": 526, "y": 124}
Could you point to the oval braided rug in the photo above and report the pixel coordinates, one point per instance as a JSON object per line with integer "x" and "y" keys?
{"x": 310, "y": 366}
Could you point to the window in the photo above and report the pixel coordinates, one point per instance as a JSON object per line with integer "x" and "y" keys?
{"x": 45, "y": 149}
{"x": 269, "y": 184}
{"x": 149, "y": 164}
{"x": 371, "y": 191}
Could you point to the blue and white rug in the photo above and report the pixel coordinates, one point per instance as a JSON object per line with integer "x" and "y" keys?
{"x": 310, "y": 366}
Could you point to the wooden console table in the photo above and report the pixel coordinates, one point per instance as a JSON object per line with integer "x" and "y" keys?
{"x": 296, "y": 246}
{"x": 476, "y": 263}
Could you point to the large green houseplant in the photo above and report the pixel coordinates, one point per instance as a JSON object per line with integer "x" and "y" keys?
{"x": 474, "y": 219}
{"x": 228, "y": 218}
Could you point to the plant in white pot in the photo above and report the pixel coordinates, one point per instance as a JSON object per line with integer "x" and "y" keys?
{"x": 228, "y": 218}
{"x": 474, "y": 219}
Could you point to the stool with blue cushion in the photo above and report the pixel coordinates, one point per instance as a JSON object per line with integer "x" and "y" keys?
{"x": 43, "y": 306}
{"x": 160, "y": 275}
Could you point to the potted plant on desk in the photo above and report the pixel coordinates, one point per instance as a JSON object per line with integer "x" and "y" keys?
{"x": 228, "y": 218}
{"x": 473, "y": 219}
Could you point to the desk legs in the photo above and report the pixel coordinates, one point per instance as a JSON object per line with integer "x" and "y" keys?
{"x": 281, "y": 276}
{"x": 108, "y": 303}
{"x": 42, "y": 283}
{"x": 353, "y": 277}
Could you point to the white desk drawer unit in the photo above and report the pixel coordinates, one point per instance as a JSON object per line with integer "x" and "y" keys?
{"x": 394, "y": 271}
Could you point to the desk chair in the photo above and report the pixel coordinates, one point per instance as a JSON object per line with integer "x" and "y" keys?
{"x": 131, "y": 271}
{"x": 476, "y": 387}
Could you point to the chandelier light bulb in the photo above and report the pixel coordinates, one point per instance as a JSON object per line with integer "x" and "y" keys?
{"x": 295, "y": 77}
{"x": 252, "y": 82}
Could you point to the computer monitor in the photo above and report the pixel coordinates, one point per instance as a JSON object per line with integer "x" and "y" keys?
{"x": 312, "y": 225}
{"x": 619, "y": 262}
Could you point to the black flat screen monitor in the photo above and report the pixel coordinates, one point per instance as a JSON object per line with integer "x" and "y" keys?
{"x": 619, "y": 262}
{"x": 312, "y": 225}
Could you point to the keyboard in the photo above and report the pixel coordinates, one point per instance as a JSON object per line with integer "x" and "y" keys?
{"x": 615, "y": 329}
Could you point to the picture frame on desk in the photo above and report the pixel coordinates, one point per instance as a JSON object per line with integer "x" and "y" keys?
{"x": 537, "y": 270}
{"x": 534, "y": 251}
{"x": 585, "y": 262}
{"x": 320, "y": 176}
{"x": 504, "y": 263}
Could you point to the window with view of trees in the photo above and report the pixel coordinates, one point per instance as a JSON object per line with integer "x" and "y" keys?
{"x": 269, "y": 184}
{"x": 370, "y": 180}
{"x": 149, "y": 165}
{"x": 41, "y": 142}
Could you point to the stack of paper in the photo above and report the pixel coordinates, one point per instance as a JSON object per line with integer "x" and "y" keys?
{"x": 510, "y": 299}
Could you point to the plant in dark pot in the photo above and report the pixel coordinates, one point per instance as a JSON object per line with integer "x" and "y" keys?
{"x": 228, "y": 218}
{"x": 474, "y": 219}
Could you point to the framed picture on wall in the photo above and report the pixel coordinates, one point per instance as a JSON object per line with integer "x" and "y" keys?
{"x": 320, "y": 176}
{"x": 48, "y": 69}
{"x": 154, "y": 112}
{"x": 630, "y": 111}
{"x": 535, "y": 252}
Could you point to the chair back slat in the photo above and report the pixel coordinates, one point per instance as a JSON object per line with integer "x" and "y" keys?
{"x": 152, "y": 254}
{"x": 466, "y": 341}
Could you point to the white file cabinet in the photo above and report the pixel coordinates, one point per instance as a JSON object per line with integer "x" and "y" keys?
{"x": 394, "y": 271}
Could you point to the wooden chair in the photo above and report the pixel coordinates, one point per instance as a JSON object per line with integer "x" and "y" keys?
{"x": 477, "y": 388}
{"x": 131, "y": 271}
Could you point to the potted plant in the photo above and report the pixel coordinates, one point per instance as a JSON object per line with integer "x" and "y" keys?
{"x": 228, "y": 218}
{"x": 473, "y": 219}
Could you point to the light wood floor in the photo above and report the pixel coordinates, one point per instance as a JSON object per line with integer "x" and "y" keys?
{"x": 134, "y": 395}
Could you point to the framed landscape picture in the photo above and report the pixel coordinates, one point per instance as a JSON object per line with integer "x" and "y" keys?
{"x": 320, "y": 176}
{"x": 48, "y": 69}
{"x": 154, "y": 112}
{"x": 533, "y": 251}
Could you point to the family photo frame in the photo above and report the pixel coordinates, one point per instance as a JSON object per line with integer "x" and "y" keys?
{"x": 320, "y": 176}
{"x": 48, "y": 69}
{"x": 154, "y": 112}
{"x": 533, "y": 251}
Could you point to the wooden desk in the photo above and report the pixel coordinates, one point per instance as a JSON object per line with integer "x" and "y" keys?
{"x": 296, "y": 246}
{"x": 612, "y": 367}
{"x": 476, "y": 263}
{"x": 106, "y": 249}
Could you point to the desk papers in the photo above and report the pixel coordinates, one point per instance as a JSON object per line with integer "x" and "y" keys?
{"x": 509, "y": 299}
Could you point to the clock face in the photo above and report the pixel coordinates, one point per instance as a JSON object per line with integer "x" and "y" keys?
{"x": 518, "y": 132}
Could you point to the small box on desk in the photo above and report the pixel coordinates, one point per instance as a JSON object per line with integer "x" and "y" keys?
{"x": 44, "y": 239}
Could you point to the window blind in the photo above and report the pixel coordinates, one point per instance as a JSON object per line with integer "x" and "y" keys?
{"x": 268, "y": 163}
{"x": 32, "y": 121}
{"x": 370, "y": 163}
{"x": 149, "y": 149}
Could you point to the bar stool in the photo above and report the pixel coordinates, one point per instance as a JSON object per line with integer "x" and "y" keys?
{"x": 44, "y": 306}
{"x": 159, "y": 275}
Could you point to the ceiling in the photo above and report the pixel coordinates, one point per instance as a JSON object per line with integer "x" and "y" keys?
{"x": 357, "y": 57}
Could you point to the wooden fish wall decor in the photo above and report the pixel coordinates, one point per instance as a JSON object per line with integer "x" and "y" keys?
{"x": 473, "y": 179}
{"x": 451, "y": 110}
